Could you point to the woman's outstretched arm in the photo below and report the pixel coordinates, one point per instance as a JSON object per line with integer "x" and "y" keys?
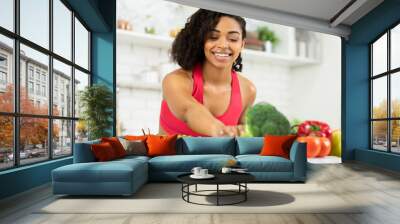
{"x": 177, "y": 91}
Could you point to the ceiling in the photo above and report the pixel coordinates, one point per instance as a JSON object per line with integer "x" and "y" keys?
{"x": 325, "y": 16}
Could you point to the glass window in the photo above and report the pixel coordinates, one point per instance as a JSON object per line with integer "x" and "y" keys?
{"x": 34, "y": 21}
{"x": 62, "y": 29}
{"x": 6, "y": 72}
{"x": 62, "y": 138}
{"x": 37, "y": 89}
{"x": 43, "y": 90}
{"x": 395, "y": 47}
{"x": 379, "y": 56}
{"x": 37, "y": 75}
{"x": 34, "y": 80}
{"x": 3, "y": 78}
{"x": 379, "y": 135}
{"x": 6, "y": 142}
{"x": 395, "y": 95}
{"x": 81, "y": 131}
{"x": 30, "y": 72}
{"x": 33, "y": 140}
{"x": 30, "y": 87}
{"x": 40, "y": 62}
{"x": 379, "y": 97}
{"x": 81, "y": 45}
{"x": 395, "y": 136}
{"x": 3, "y": 60}
{"x": 62, "y": 72}
{"x": 81, "y": 81}
{"x": 7, "y": 14}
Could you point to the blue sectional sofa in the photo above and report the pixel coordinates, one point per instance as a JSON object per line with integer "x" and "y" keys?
{"x": 125, "y": 176}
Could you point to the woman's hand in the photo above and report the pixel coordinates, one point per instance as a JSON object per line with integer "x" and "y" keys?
{"x": 233, "y": 131}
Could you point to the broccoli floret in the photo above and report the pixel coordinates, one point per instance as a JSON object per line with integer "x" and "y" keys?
{"x": 263, "y": 118}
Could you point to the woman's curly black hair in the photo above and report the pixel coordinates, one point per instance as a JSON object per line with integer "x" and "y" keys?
{"x": 188, "y": 46}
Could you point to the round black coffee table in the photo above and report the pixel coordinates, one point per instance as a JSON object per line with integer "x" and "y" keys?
{"x": 238, "y": 179}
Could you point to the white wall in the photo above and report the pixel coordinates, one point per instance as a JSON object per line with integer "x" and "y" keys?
{"x": 316, "y": 90}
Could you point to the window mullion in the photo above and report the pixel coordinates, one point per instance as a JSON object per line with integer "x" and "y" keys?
{"x": 73, "y": 82}
{"x": 16, "y": 84}
{"x": 50, "y": 81}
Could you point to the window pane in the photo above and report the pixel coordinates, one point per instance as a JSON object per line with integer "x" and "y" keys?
{"x": 34, "y": 80}
{"x": 395, "y": 94}
{"x": 395, "y": 136}
{"x": 395, "y": 47}
{"x": 6, "y": 75}
{"x": 35, "y": 21}
{"x": 62, "y": 29}
{"x": 62, "y": 141}
{"x": 62, "y": 89}
{"x": 81, "y": 132}
{"x": 33, "y": 140}
{"x": 379, "y": 100}
{"x": 6, "y": 142}
{"x": 81, "y": 45}
{"x": 379, "y": 55}
{"x": 7, "y": 14}
{"x": 81, "y": 81}
{"x": 379, "y": 135}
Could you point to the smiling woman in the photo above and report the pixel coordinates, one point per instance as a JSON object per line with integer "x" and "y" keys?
{"x": 207, "y": 96}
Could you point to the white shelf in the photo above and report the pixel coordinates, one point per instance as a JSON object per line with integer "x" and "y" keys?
{"x": 165, "y": 42}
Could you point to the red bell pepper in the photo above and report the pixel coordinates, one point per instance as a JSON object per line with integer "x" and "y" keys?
{"x": 314, "y": 128}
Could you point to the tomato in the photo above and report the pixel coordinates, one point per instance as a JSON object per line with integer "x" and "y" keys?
{"x": 313, "y": 145}
{"x": 325, "y": 147}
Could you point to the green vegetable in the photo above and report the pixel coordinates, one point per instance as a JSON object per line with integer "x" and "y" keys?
{"x": 263, "y": 118}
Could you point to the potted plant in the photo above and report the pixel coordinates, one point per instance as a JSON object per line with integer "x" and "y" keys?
{"x": 96, "y": 102}
{"x": 268, "y": 36}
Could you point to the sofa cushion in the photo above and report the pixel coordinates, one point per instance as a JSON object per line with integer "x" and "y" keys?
{"x": 83, "y": 152}
{"x": 185, "y": 163}
{"x": 277, "y": 145}
{"x": 206, "y": 145}
{"x": 116, "y": 145}
{"x": 161, "y": 145}
{"x": 249, "y": 145}
{"x": 257, "y": 163}
{"x": 111, "y": 171}
{"x": 103, "y": 152}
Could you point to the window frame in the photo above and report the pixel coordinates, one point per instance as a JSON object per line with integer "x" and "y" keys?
{"x": 388, "y": 74}
{"x": 16, "y": 114}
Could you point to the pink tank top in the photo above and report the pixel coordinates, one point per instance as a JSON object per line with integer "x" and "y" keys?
{"x": 172, "y": 125}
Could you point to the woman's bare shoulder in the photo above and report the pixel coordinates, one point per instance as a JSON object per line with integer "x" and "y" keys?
{"x": 177, "y": 80}
{"x": 247, "y": 85}
{"x": 177, "y": 76}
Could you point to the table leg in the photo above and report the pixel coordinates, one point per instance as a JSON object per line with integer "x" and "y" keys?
{"x": 196, "y": 188}
{"x": 217, "y": 194}
{"x": 245, "y": 193}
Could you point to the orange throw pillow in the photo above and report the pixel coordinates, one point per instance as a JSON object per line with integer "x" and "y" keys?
{"x": 277, "y": 145}
{"x": 135, "y": 138}
{"x": 160, "y": 145}
{"x": 103, "y": 152}
{"x": 116, "y": 145}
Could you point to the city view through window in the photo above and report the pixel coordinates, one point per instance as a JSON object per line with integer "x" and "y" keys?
{"x": 32, "y": 130}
